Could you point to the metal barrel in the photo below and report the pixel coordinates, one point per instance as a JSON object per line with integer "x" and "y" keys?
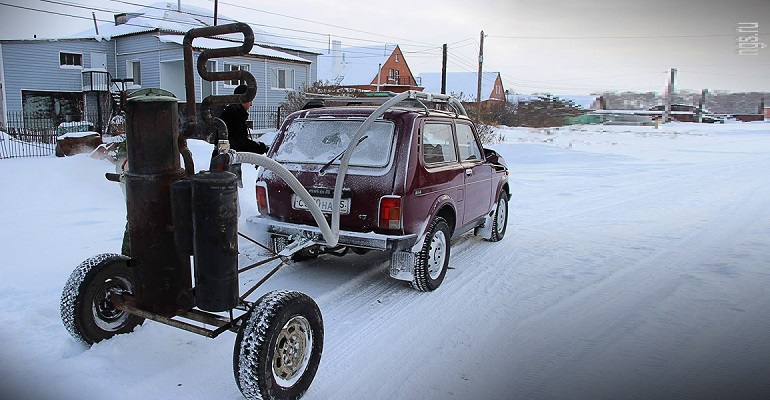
{"x": 215, "y": 233}
{"x": 181, "y": 216}
{"x": 163, "y": 283}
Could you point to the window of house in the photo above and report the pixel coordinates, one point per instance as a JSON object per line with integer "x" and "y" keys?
{"x": 283, "y": 79}
{"x": 134, "y": 71}
{"x": 390, "y": 73}
{"x": 236, "y": 67}
{"x": 398, "y": 75}
{"x": 396, "y": 57}
{"x": 70, "y": 60}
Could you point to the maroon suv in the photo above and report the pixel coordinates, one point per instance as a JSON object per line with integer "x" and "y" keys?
{"x": 417, "y": 178}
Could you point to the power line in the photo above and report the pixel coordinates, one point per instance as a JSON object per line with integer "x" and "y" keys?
{"x": 46, "y": 11}
{"x": 322, "y": 23}
{"x": 606, "y": 37}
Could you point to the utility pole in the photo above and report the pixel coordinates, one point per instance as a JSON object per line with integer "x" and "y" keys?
{"x": 443, "y": 70}
{"x": 702, "y": 101}
{"x": 216, "y": 5}
{"x": 669, "y": 93}
{"x": 478, "y": 89}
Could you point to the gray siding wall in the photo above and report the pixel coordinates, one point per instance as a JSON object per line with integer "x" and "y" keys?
{"x": 34, "y": 65}
{"x": 263, "y": 71}
{"x": 149, "y": 51}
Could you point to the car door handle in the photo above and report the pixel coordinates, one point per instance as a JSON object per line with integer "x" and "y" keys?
{"x": 468, "y": 172}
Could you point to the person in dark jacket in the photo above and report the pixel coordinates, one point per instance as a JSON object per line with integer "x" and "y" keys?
{"x": 235, "y": 117}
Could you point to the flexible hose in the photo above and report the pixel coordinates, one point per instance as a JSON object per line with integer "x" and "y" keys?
{"x": 349, "y": 152}
{"x": 330, "y": 236}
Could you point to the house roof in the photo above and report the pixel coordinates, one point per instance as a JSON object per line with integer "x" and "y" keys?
{"x": 462, "y": 85}
{"x": 168, "y": 18}
{"x": 209, "y": 43}
{"x": 353, "y": 65}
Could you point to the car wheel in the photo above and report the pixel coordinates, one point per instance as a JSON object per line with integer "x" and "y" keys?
{"x": 86, "y": 309}
{"x": 278, "y": 347}
{"x": 500, "y": 218}
{"x": 432, "y": 261}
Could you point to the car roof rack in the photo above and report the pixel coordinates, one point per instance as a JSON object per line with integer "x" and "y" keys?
{"x": 427, "y": 101}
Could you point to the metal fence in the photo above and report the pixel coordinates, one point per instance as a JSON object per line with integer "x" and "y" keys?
{"x": 33, "y": 134}
{"x": 264, "y": 117}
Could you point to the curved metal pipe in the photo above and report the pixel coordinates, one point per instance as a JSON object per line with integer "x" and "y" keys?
{"x": 245, "y": 48}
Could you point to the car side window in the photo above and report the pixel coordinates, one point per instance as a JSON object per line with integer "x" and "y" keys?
{"x": 438, "y": 145}
{"x": 466, "y": 143}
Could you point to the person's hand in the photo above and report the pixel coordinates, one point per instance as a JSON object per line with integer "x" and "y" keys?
{"x": 262, "y": 148}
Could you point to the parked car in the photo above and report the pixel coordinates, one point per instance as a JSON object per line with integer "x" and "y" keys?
{"x": 417, "y": 178}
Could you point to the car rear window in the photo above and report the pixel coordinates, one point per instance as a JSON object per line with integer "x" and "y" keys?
{"x": 316, "y": 141}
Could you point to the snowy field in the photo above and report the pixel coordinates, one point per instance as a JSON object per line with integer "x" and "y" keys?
{"x": 636, "y": 266}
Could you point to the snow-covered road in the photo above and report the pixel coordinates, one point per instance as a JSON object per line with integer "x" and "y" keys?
{"x": 635, "y": 266}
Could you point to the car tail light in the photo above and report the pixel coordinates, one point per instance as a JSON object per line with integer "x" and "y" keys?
{"x": 262, "y": 199}
{"x": 390, "y": 212}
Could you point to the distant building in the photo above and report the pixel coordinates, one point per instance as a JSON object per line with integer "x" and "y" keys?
{"x": 375, "y": 68}
{"x": 586, "y": 102}
{"x": 464, "y": 85}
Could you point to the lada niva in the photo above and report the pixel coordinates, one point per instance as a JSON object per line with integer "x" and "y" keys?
{"x": 417, "y": 178}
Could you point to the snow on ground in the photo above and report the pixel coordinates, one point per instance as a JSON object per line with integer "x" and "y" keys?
{"x": 635, "y": 266}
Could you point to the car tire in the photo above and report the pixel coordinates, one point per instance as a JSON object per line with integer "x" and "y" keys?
{"x": 278, "y": 347}
{"x": 500, "y": 218}
{"x": 433, "y": 259}
{"x": 86, "y": 309}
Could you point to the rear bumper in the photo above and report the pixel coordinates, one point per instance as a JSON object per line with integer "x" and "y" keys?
{"x": 368, "y": 240}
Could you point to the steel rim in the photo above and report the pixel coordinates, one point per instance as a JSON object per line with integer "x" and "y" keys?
{"x": 105, "y": 315}
{"x": 292, "y": 351}
{"x": 436, "y": 254}
{"x": 502, "y": 213}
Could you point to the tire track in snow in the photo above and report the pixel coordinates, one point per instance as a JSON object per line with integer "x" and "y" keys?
{"x": 429, "y": 344}
{"x": 600, "y": 300}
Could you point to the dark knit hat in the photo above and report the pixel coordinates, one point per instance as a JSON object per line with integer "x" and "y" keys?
{"x": 241, "y": 89}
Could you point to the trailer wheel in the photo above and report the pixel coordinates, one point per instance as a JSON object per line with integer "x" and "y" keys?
{"x": 500, "y": 218}
{"x": 432, "y": 261}
{"x": 278, "y": 347}
{"x": 86, "y": 309}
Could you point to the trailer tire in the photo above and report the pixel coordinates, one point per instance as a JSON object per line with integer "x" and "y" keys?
{"x": 431, "y": 262}
{"x": 85, "y": 307}
{"x": 278, "y": 346}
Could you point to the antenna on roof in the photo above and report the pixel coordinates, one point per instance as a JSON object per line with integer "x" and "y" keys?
{"x": 96, "y": 28}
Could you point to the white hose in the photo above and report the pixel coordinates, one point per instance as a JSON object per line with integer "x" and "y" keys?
{"x": 257, "y": 159}
{"x": 349, "y": 152}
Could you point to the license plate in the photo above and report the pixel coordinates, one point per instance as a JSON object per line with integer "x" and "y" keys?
{"x": 325, "y": 203}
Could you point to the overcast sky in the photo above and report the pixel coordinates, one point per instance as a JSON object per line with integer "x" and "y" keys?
{"x": 557, "y": 46}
